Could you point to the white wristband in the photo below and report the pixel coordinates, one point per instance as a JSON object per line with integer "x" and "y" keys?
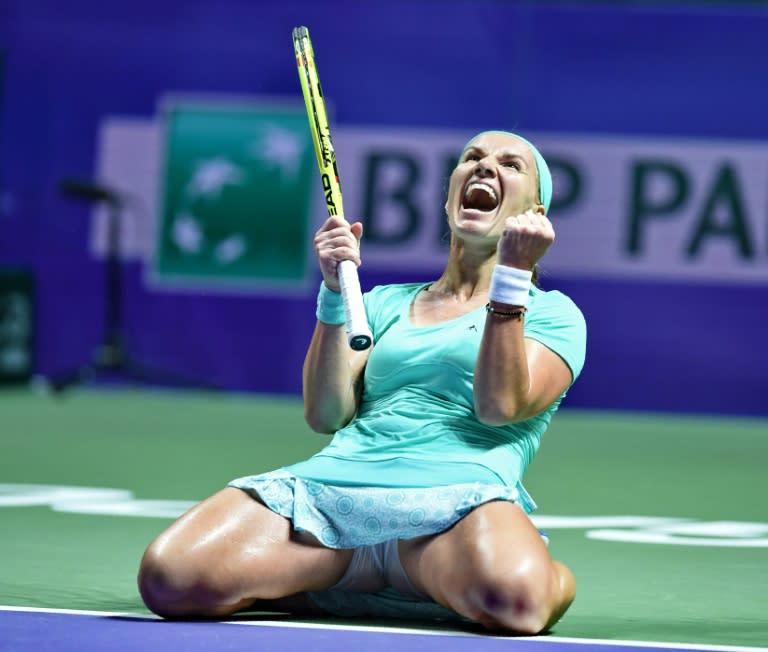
{"x": 330, "y": 306}
{"x": 510, "y": 285}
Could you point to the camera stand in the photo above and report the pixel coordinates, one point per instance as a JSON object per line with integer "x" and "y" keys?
{"x": 111, "y": 359}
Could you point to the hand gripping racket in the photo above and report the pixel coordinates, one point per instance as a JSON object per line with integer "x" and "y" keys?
{"x": 358, "y": 331}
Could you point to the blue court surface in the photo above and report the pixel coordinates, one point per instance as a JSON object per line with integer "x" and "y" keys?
{"x": 32, "y": 629}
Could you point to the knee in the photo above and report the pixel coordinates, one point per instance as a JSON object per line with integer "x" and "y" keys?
{"x": 175, "y": 586}
{"x": 163, "y": 582}
{"x": 520, "y": 602}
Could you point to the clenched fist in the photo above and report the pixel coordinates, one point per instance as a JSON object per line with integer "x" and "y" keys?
{"x": 524, "y": 240}
{"x": 335, "y": 241}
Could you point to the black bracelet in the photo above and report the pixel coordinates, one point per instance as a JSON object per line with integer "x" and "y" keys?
{"x": 513, "y": 314}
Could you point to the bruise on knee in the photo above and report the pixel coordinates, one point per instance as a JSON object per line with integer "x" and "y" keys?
{"x": 521, "y": 605}
{"x": 174, "y": 588}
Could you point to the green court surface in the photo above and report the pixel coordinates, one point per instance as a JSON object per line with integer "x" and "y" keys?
{"x": 699, "y": 577}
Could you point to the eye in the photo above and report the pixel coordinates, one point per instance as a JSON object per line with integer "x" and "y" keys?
{"x": 471, "y": 157}
{"x": 512, "y": 163}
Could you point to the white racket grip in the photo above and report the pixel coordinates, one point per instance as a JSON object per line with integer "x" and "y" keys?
{"x": 358, "y": 332}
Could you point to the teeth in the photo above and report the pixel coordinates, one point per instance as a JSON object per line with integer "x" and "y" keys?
{"x": 480, "y": 186}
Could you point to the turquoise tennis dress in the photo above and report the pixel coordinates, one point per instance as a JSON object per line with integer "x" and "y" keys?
{"x": 415, "y": 459}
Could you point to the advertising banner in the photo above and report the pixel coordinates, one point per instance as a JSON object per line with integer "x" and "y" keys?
{"x": 235, "y": 206}
{"x": 238, "y": 197}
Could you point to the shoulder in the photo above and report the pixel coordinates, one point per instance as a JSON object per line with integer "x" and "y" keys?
{"x": 389, "y": 296}
{"x": 392, "y": 291}
{"x": 554, "y": 304}
{"x": 385, "y": 303}
{"x": 556, "y": 321}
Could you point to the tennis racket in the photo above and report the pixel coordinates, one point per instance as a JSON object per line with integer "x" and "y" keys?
{"x": 358, "y": 331}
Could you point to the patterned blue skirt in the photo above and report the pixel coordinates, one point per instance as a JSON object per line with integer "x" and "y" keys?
{"x": 351, "y": 516}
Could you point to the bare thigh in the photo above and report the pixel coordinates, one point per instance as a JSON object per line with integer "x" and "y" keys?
{"x": 228, "y": 551}
{"x": 493, "y": 567}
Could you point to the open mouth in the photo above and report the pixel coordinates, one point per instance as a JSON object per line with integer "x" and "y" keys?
{"x": 480, "y": 197}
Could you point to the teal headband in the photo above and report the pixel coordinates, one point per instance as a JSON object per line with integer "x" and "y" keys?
{"x": 542, "y": 169}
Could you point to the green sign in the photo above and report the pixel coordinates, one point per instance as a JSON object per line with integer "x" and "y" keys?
{"x": 237, "y": 185}
{"x": 16, "y": 325}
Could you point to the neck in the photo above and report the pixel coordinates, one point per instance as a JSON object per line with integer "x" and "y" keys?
{"x": 468, "y": 272}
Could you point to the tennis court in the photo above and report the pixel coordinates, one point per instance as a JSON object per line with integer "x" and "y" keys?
{"x": 661, "y": 517}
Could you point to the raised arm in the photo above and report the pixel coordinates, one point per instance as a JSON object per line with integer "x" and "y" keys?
{"x": 517, "y": 378}
{"x": 333, "y": 372}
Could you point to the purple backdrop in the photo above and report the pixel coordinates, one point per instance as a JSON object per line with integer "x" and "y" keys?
{"x": 657, "y": 71}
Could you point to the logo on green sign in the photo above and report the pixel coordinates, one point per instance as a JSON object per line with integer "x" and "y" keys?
{"x": 237, "y": 185}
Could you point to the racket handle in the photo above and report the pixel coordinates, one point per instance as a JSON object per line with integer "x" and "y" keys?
{"x": 358, "y": 333}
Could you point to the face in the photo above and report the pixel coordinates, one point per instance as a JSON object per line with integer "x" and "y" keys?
{"x": 494, "y": 179}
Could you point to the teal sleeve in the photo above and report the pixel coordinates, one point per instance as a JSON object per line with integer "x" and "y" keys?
{"x": 559, "y": 325}
{"x": 383, "y": 306}
{"x": 375, "y": 303}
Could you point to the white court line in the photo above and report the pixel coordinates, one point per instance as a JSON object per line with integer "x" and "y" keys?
{"x": 408, "y": 630}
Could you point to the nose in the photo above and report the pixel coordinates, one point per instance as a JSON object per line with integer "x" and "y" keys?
{"x": 484, "y": 168}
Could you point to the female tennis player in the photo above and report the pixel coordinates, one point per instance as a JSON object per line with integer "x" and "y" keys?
{"x": 416, "y": 507}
